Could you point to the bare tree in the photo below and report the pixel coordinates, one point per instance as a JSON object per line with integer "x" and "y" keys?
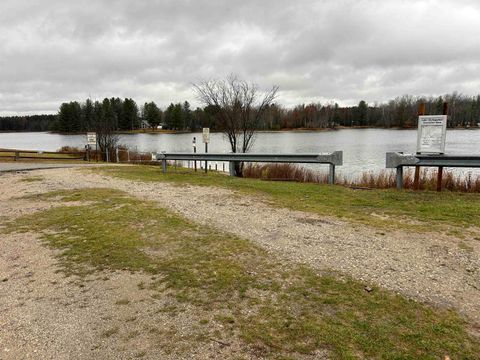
{"x": 240, "y": 107}
{"x": 105, "y": 128}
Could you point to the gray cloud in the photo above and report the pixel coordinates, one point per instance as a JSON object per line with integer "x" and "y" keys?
{"x": 55, "y": 50}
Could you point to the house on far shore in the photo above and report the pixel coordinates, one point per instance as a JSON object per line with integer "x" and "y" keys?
{"x": 146, "y": 125}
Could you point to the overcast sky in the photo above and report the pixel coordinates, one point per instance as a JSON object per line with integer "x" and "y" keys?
{"x": 53, "y": 51}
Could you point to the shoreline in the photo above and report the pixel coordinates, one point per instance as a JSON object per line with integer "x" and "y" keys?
{"x": 174, "y": 132}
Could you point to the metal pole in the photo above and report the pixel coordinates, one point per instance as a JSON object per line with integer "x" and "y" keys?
{"x": 116, "y": 155}
{"x": 128, "y": 155}
{"x": 206, "y": 151}
{"x": 416, "y": 179}
{"x": 164, "y": 166}
{"x": 331, "y": 175}
{"x": 107, "y": 155}
{"x": 440, "y": 168}
{"x": 195, "y": 151}
{"x": 399, "y": 177}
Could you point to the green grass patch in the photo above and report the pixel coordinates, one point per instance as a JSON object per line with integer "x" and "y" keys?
{"x": 280, "y": 310}
{"x": 419, "y": 210}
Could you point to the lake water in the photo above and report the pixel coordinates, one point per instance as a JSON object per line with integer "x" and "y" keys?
{"x": 363, "y": 149}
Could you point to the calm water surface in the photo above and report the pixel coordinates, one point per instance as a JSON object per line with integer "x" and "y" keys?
{"x": 363, "y": 149}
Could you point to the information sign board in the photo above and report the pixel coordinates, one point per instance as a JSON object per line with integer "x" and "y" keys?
{"x": 206, "y": 135}
{"x": 431, "y": 134}
{"x": 91, "y": 138}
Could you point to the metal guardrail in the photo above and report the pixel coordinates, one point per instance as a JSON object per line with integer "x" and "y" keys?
{"x": 333, "y": 159}
{"x": 398, "y": 160}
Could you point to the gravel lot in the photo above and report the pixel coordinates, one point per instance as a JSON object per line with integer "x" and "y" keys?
{"x": 45, "y": 315}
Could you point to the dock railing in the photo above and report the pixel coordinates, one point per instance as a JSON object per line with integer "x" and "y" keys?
{"x": 332, "y": 159}
{"x": 399, "y": 160}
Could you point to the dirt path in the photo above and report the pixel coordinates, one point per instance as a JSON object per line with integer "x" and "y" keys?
{"x": 108, "y": 315}
{"x": 428, "y": 267}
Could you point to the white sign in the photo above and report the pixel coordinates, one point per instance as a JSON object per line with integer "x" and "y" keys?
{"x": 91, "y": 138}
{"x": 206, "y": 135}
{"x": 432, "y": 130}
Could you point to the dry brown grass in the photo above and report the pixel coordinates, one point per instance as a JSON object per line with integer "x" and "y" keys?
{"x": 382, "y": 180}
{"x": 134, "y": 156}
{"x": 284, "y": 172}
{"x": 71, "y": 150}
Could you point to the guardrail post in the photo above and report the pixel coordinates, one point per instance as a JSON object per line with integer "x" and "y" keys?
{"x": 116, "y": 155}
{"x": 17, "y": 155}
{"x": 331, "y": 174}
{"x": 399, "y": 179}
{"x": 231, "y": 168}
{"x": 164, "y": 166}
{"x": 439, "y": 178}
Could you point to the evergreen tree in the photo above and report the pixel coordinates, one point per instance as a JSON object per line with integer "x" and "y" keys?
{"x": 362, "y": 114}
{"x": 188, "y": 118}
{"x": 177, "y": 117}
{"x": 70, "y": 117}
{"x": 130, "y": 118}
{"x": 152, "y": 114}
{"x": 88, "y": 116}
{"x": 169, "y": 123}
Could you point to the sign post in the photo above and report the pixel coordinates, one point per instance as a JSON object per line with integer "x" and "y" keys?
{"x": 91, "y": 140}
{"x": 194, "y": 144}
{"x": 431, "y": 136}
{"x": 206, "y": 140}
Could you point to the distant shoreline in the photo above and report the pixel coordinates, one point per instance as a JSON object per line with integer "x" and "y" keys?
{"x": 300, "y": 130}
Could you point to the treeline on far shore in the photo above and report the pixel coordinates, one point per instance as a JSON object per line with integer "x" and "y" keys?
{"x": 401, "y": 112}
{"x": 27, "y": 122}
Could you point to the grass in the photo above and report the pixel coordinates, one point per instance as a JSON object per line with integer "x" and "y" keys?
{"x": 422, "y": 211}
{"x": 277, "y": 310}
{"x": 382, "y": 180}
{"x": 29, "y": 179}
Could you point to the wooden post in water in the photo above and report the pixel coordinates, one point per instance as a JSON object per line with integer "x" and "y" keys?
{"x": 440, "y": 168}
{"x": 416, "y": 179}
